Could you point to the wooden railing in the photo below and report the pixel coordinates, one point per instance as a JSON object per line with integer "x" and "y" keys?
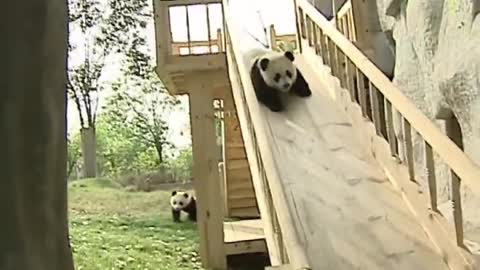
{"x": 372, "y": 90}
{"x": 344, "y": 21}
{"x": 211, "y": 44}
{"x": 277, "y": 40}
{"x": 283, "y": 243}
{"x": 199, "y": 47}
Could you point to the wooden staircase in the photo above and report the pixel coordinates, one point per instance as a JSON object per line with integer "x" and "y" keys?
{"x": 241, "y": 201}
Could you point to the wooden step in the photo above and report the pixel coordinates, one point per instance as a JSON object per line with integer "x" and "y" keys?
{"x": 237, "y": 164}
{"x": 242, "y": 203}
{"x": 242, "y": 193}
{"x": 235, "y": 153}
{"x": 252, "y": 226}
{"x": 229, "y": 144}
{"x": 239, "y": 184}
{"x": 247, "y": 212}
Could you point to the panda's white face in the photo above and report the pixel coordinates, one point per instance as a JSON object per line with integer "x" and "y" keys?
{"x": 278, "y": 70}
{"x": 179, "y": 200}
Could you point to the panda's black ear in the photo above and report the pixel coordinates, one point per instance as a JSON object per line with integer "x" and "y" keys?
{"x": 185, "y": 195}
{"x": 289, "y": 55}
{"x": 174, "y": 193}
{"x": 264, "y": 64}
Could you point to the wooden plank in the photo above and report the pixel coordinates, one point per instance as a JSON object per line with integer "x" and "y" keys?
{"x": 236, "y": 153}
{"x": 253, "y": 226}
{"x": 407, "y": 134}
{"x": 239, "y": 175}
{"x": 249, "y": 212}
{"x": 237, "y": 164}
{"x": 245, "y": 247}
{"x": 242, "y": 202}
{"x": 242, "y": 194}
{"x": 432, "y": 181}
{"x": 241, "y": 185}
{"x": 244, "y": 236}
{"x": 207, "y": 181}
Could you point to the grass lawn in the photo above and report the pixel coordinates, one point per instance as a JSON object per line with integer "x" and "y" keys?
{"x": 115, "y": 229}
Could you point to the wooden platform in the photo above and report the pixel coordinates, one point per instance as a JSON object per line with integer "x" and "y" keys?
{"x": 245, "y": 236}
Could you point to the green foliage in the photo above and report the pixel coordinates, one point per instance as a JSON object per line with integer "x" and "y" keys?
{"x": 107, "y": 29}
{"x": 140, "y": 105}
{"x": 115, "y": 229}
{"x": 283, "y": 46}
{"x": 120, "y": 152}
{"x": 182, "y": 165}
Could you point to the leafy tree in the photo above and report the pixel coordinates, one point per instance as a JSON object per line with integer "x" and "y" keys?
{"x": 140, "y": 105}
{"x": 106, "y": 29}
{"x": 182, "y": 165}
{"x": 119, "y": 152}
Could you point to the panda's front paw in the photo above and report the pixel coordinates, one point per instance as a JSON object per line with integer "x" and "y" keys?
{"x": 275, "y": 107}
{"x": 303, "y": 91}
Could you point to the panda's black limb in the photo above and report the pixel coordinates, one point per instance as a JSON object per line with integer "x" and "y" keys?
{"x": 301, "y": 87}
{"x": 175, "y": 215}
{"x": 191, "y": 209}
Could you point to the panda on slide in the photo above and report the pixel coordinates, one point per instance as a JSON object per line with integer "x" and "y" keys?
{"x": 273, "y": 74}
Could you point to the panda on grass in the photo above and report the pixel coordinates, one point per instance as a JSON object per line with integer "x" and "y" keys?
{"x": 274, "y": 74}
{"x": 183, "y": 202}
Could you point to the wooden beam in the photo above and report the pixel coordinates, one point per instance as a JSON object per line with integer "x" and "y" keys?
{"x": 206, "y": 179}
{"x": 245, "y": 247}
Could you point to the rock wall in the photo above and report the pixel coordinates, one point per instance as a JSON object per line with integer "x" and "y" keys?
{"x": 437, "y": 65}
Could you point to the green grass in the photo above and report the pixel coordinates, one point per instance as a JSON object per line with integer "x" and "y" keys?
{"x": 115, "y": 229}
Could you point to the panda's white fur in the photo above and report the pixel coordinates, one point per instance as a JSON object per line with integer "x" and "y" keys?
{"x": 273, "y": 75}
{"x": 183, "y": 202}
{"x": 277, "y": 69}
{"x": 180, "y": 200}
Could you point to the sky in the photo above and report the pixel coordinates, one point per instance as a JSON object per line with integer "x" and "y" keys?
{"x": 245, "y": 16}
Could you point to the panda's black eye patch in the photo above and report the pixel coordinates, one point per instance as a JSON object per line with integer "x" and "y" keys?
{"x": 277, "y": 77}
{"x": 181, "y": 203}
{"x": 289, "y": 74}
{"x": 174, "y": 202}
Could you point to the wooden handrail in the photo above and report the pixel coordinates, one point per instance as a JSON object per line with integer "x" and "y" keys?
{"x": 453, "y": 156}
{"x": 291, "y": 241}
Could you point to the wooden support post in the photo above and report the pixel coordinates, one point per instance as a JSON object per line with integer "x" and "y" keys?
{"x": 206, "y": 180}
{"x": 454, "y": 132}
{"x": 273, "y": 38}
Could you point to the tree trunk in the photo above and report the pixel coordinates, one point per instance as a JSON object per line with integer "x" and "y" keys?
{"x": 33, "y": 194}
{"x": 159, "y": 148}
{"x": 89, "y": 152}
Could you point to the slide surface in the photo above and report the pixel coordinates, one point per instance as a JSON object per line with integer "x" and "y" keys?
{"x": 347, "y": 213}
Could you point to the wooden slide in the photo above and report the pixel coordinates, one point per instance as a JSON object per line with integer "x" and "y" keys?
{"x": 345, "y": 212}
